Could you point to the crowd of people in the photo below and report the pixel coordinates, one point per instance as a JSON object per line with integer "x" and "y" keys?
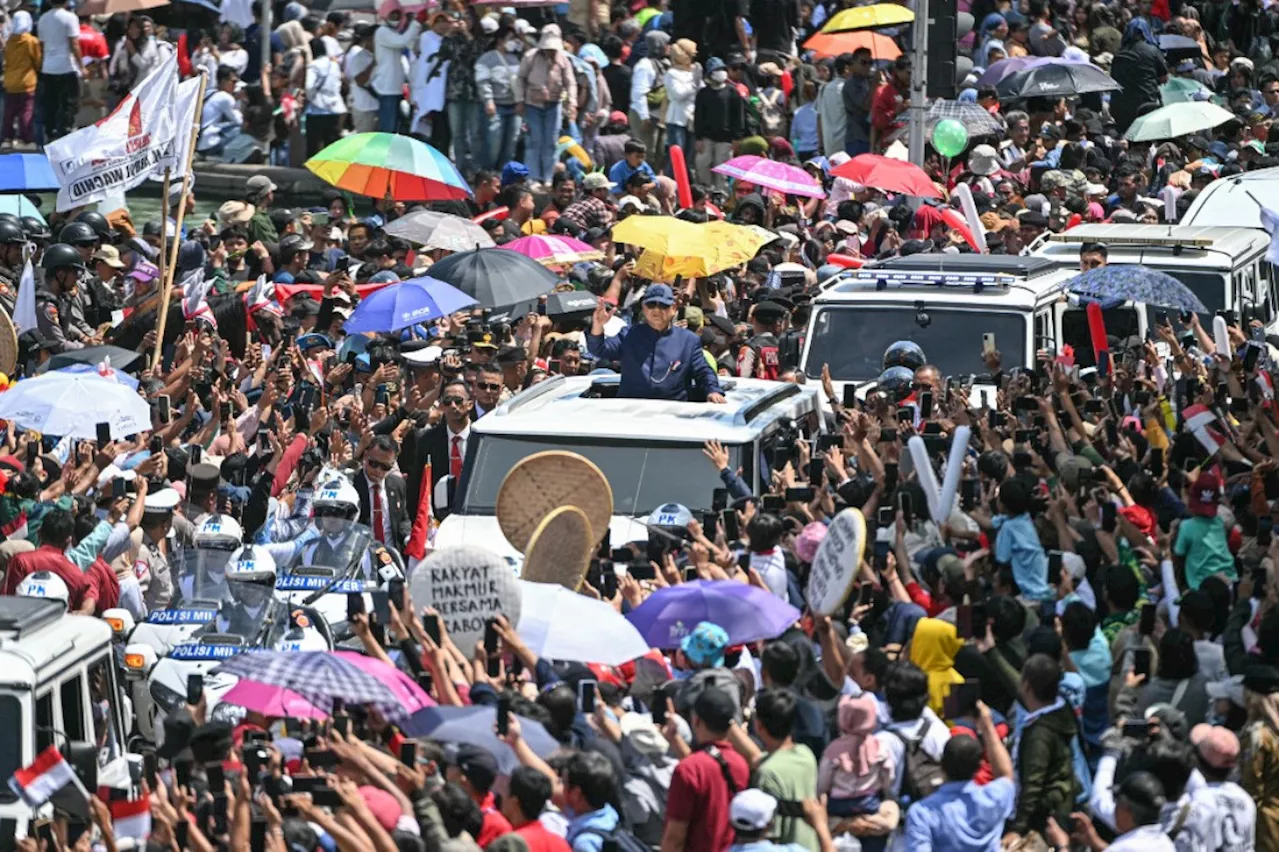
{"x": 1081, "y": 653}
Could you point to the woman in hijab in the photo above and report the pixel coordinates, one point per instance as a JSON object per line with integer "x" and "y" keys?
{"x": 992, "y": 34}
{"x": 1140, "y": 70}
{"x": 855, "y": 769}
{"x": 297, "y": 52}
{"x": 682, "y": 81}
{"x": 22, "y": 56}
{"x": 933, "y": 648}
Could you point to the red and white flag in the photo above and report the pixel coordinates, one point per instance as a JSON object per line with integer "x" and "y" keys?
{"x": 424, "y": 521}
{"x": 37, "y": 783}
{"x": 1203, "y": 423}
{"x": 131, "y": 818}
{"x": 1263, "y": 380}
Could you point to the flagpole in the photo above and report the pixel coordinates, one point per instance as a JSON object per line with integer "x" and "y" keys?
{"x": 172, "y": 261}
{"x": 163, "y": 256}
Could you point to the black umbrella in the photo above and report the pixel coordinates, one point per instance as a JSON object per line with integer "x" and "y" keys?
{"x": 121, "y": 359}
{"x": 495, "y": 277}
{"x": 1178, "y": 47}
{"x": 1055, "y": 80}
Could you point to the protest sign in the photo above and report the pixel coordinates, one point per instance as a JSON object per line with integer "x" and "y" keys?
{"x": 543, "y": 482}
{"x": 836, "y": 563}
{"x": 467, "y": 585}
{"x": 560, "y": 549}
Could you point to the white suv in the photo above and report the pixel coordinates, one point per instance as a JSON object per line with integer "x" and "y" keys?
{"x": 649, "y": 450}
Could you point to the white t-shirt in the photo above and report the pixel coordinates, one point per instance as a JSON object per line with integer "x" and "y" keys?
{"x": 1146, "y": 838}
{"x": 55, "y": 30}
{"x": 357, "y": 62}
{"x": 1226, "y": 817}
{"x": 772, "y": 568}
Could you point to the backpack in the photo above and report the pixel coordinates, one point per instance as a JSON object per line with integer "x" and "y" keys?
{"x": 922, "y": 775}
{"x": 618, "y": 840}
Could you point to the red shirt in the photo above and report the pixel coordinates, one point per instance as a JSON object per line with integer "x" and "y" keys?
{"x": 699, "y": 795}
{"x": 886, "y": 104}
{"x": 93, "y": 44}
{"x": 494, "y": 824}
{"x": 104, "y": 586}
{"x": 540, "y": 840}
{"x": 46, "y": 557}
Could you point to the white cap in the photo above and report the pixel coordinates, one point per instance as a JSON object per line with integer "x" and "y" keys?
{"x": 523, "y": 27}
{"x": 164, "y": 500}
{"x": 489, "y": 24}
{"x": 752, "y": 810}
{"x": 1095, "y": 189}
{"x": 425, "y": 356}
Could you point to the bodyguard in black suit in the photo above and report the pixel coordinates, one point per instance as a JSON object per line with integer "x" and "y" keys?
{"x": 390, "y": 494}
{"x": 433, "y": 445}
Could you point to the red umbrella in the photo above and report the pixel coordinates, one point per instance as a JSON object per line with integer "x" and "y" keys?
{"x": 956, "y": 221}
{"x": 888, "y": 175}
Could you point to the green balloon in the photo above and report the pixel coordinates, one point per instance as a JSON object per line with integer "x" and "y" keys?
{"x": 949, "y": 137}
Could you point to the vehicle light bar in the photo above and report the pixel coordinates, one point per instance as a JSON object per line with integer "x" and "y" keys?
{"x": 1153, "y": 240}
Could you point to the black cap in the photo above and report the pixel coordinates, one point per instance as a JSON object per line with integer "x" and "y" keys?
{"x": 203, "y": 476}
{"x": 477, "y": 766}
{"x": 722, "y": 324}
{"x": 281, "y": 216}
{"x": 1260, "y": 678}
{"x": 1033, "y": 219}
{"x": 1198, "y": 142}
{"x": 769, "y": 312}
{"x": 715, "y": 708}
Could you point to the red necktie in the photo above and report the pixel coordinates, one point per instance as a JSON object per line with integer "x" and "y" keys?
{"x": 376, "y": 493}
{"x": 455, "y": 457}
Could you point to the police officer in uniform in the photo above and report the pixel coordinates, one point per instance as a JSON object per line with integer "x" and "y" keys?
{"x": 97, "y": 299}
{"x": 759, "y": 358}
{"x": 251, "y": 581}
{"x": 340, "y": 541}
{"x": 58, "y": 311}
{"x": 12, "y": 241}
{"x": 147, "y": 579}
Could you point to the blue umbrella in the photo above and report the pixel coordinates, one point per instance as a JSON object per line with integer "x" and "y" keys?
{"x": 26, "y": 173}
{"x": 1136, "y": 283}
{"x": 747, "y": 613}
{"x": 474, "y": 725}
{"x": 407, "y": 303}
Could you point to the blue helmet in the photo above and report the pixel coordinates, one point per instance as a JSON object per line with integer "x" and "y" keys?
{"x": 903, "y": 353}
{"x": 896, "y": 381}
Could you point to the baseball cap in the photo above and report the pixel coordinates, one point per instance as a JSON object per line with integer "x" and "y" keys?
{"x": 514, "y": 172}
{"x": 477, "y": 766}
{"x": 660, "y": 294}
{"x": 597, "y": 180}
{"x": 1216, "y": 745}
{"x": 752, "y": 810}
{"x": 258, "y": 186}
{"x": 110, "y": 256}
{"x": 1204, "y": 495}
{"x": 705, "y": 647}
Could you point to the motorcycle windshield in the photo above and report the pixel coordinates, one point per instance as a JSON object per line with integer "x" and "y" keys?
{"x": 340, "y": 546}
{"x": 250, "y": 613}
{"x": 202, "y": 575}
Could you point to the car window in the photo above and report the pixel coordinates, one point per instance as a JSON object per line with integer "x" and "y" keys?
{"x": 642, "y": 476}
{"x": 72, "y": 695}
{"x": 11, "y": 728}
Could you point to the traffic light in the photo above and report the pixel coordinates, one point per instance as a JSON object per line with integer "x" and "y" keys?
{"x": 946, "y": 67}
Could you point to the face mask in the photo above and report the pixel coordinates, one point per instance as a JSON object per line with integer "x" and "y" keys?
{"x": 719, "y": 76}
{"x": 512, "y": 46}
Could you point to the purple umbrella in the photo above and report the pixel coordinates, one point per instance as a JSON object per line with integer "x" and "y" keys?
{"x": 772, "y": 175}
{"x": 747, "y": 613}
{"x": 999, "y": 70}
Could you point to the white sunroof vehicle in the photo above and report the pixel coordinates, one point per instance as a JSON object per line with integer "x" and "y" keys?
{"x": 649, "y": 450}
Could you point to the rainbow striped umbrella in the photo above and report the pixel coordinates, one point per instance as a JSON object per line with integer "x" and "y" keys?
{"x": 382, "y": 164}
{"x": 551, "y": 250}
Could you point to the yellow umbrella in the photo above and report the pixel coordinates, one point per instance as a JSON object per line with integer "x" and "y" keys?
{"x": 868, "y": 17}
{"x": 674, "y": 247}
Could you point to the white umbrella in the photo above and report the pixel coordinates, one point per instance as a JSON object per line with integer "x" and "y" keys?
{"x": 1175, "y": 120}
{"x": 434, "y": 230}
{"x": 562, "y": 625}
{"x": 71, "y": 405}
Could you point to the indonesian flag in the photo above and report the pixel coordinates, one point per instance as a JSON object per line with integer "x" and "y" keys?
{"x": 261, "y": 297}
{"x": 1203, "y": 423}
{"x": 131, "y": 818}
{"x": 423, "y": 521}
{"x": 45, "y": 778}
{"x": 1263, "y": 380}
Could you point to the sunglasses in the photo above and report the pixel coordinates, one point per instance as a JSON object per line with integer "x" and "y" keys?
{"x": 488, "y": 386}
{"x": 453, "y": 400}
{"x": 377, "y": 465}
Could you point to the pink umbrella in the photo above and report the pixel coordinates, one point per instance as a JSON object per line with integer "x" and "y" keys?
{"x": 553, "y": 250}
{"x": 410, "y": 694}
{"x": 771, "y": 174}
{"x": 272, "y": 701}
